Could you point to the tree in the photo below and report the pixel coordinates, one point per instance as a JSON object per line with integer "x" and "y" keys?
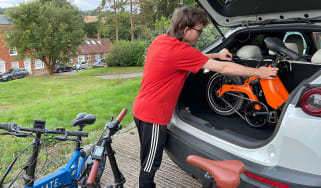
{"x": 46, "y": 32}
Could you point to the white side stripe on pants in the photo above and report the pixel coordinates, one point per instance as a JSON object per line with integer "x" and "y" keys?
{"x": 153, "y": 148}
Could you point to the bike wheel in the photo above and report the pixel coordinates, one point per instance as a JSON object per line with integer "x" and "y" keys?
{"x": 226, "y": 104}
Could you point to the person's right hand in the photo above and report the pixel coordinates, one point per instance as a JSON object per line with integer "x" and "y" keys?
{"x": 267, "y": 72}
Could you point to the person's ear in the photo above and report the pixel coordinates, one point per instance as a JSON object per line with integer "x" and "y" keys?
{"x": 185, "y": 30}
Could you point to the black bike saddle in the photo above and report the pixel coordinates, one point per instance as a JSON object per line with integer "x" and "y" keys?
{"x": 83, "y": 119}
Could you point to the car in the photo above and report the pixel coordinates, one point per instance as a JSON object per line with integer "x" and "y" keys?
{"x": 62, "y": 68}
{"x": 12, "y": 74}
{"x": 284, "y": 151}
{"x": 81, "y": 65}
{"x": 99, "y": 63}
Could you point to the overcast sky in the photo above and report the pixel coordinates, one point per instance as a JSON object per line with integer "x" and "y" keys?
{"x": 82, "y": 4}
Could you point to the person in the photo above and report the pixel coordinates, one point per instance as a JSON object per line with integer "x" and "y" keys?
{"x": 169, "y": 59}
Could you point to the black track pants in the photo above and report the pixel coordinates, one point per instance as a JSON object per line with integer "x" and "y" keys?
{"x": 152, "y": 139}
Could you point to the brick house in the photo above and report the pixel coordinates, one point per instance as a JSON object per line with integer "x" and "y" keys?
{"x": 8, "y": 56}
{"x": 92, "y": 49}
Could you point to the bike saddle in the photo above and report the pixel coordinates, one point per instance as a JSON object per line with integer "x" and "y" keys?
{"x": 225, "y": 173}
{"x": 277, "y": 45}
{"x": 83, "y": 119}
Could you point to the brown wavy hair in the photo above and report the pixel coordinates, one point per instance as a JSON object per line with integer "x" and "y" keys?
{"x": 186, "y": 17}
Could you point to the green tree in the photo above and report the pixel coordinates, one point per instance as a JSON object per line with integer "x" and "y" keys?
{"x": 91, "y": 29}
{"x": 46, "y": 32}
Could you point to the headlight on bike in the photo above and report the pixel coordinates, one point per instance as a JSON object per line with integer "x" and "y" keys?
{"x": 310, "y": 101}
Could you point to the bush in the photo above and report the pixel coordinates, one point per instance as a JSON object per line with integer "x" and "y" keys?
{"x": 126, "y": 53}
{"x": 209, "y": 35}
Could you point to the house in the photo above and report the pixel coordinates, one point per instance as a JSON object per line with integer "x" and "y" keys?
{"x": 8, "y": 56}
{"x": 92, "y": 49}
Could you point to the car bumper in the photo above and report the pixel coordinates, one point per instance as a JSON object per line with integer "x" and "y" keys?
{"x": 181, "y": 144}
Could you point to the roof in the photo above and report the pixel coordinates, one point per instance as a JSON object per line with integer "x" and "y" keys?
{"x": 4, "y": 20}
{"x": 93, "y": 46}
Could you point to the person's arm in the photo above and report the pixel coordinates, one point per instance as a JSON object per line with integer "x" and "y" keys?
{"x": 224, "y": 54}
{"x": 230, "y": 68}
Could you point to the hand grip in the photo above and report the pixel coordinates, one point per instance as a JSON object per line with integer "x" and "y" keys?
{"x": 93, "y": 173}
{"x": 4, "y": 126}
{"x": 121, "y": 115}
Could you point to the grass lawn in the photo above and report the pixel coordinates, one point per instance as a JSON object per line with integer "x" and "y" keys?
{"x": 110, "y": 70}
{"x": 58, "y": 99}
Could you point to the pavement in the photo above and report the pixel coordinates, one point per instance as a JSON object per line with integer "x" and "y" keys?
{"x": 120, "y": 76}
{"x": 126, "y": 146}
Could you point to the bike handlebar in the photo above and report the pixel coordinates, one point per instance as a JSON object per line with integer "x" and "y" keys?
{"x": 12, "y": 127}
{"x": 121, "y": 115}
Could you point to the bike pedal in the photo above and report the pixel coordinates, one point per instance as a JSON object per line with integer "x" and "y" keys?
{"x": 273, "y": 117}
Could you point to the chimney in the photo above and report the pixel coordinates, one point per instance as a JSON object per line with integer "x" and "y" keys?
{"x": 98, "y": 36}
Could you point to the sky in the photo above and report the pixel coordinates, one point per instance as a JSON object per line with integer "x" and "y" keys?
{"x": 81, "y": 4}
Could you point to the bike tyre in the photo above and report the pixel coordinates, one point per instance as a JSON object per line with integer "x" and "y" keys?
{"x": 216, "y": 103}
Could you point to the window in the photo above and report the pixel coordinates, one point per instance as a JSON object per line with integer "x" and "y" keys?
{"x": 2, "y": 66}
{"x": 88, "y": 58}
{"x": 70, "y": 60}
{"x": 39, "y": 64}
{"x": 87, "y": 42}
{"x": 97, "y": 56}
{"x": 13, "y": 51}
{"x": 93, "y": 42}
{"x": 98, "y": 41}
{"x": 81, "y": 58}
{"x": 14, "y": 65}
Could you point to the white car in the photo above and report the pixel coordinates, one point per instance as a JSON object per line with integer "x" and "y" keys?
{"x": 82, "y": 65}
{"x": 281, "y": 146}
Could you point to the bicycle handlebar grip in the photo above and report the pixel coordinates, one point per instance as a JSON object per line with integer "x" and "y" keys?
{"x": 77, "y": 133}
{"x": 4, "y": 126}
{"x": 93, "y": 173}
{"x": 121, "y": 115}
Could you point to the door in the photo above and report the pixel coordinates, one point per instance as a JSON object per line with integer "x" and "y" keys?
{"x": 27, "y": 63}
{"x": 2, "y": 66}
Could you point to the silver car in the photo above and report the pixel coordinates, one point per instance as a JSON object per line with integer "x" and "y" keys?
{"x": 282, "y": 149}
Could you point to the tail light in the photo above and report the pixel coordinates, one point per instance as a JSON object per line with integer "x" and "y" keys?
{"x": 310, "y": 101}
{"x": 266, "y": 181}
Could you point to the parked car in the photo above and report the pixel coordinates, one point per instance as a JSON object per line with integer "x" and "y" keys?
{"x": 99, "y": 63}
{"x": 82, "y": 65}
{"x": 283, "y": 153}
{"x": 62, "y": 68}
{"x": 12, "y": 74}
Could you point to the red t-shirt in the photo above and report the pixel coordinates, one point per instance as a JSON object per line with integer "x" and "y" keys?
{"x": 167, "y": 63}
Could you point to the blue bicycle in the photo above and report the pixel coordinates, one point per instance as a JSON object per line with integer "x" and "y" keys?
{"x": 68, "y": 176}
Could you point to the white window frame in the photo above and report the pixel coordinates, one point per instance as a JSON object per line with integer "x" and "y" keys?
{"x": 97, "y": 56}
{"x": 13, "y": 51}
{"x": 87, "y": 41}
{"x": 93, "y": 42}
{"x": 39, "y": 64}
{"x": 88, "y": 57}
{"x": 2, "y": 66}
{"x": 81, "y": 58}
{"x": 15, "y": 65}
{"x": 71, "y": 60}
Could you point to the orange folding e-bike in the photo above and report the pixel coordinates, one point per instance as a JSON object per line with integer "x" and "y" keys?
{"x": 257, "y": 101}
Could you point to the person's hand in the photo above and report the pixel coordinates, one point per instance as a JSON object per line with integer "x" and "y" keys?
{"x": 224, "y": 54}
{"x": 267, "y": 72}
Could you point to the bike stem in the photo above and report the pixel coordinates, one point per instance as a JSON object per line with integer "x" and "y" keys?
{"x": 30, "y": 167}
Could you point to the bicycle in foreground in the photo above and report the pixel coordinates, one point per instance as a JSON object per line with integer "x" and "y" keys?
{"x": 95, "y": 165}
{"x": 80, "y": 166}
{"x": 64, "y": 177}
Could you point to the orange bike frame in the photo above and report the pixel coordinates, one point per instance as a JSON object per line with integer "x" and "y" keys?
{"x": 274, "y": 91}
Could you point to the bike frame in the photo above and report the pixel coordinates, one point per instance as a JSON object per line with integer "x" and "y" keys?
{"x": 67, "y": 176}
{"x": 274, "y": 91}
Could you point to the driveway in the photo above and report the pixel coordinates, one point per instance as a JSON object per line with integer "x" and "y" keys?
{"x": 126, "y": 147}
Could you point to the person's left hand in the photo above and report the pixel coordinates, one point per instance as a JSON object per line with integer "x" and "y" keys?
{"x": 224, "y": 54}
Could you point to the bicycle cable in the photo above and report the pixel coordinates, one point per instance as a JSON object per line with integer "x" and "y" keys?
{"x": 11, "y": 165}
